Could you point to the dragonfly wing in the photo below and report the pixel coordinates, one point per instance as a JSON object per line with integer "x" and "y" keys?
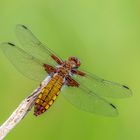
{"x": 88, "y": 101}
{"x": 28, "y": 65}
{"x": 33, "y": 46}
{"x": 103, "y": 87}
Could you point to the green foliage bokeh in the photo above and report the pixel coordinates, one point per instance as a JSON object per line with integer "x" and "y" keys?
{"x": 105, "y": 37}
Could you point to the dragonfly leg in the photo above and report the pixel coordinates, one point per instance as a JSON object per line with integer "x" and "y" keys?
{"x": 78, "y": 72}
{"x": 49, "y": 69}
{"x": 71, "y": 82}
{"x": 56, "y": 59}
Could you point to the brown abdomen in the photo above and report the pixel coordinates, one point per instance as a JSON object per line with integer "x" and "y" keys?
{"x": 48, "y": 95}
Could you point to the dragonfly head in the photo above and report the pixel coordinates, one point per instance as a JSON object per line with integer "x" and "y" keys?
{"x": 74, "y": 61}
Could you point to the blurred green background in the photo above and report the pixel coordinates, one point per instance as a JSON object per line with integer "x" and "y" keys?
{"x": 105, "y": 35}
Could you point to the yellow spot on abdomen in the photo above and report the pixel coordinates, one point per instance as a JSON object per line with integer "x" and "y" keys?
{"x": 54, "y": 97}
{"x": 40, "y": 96}
{"x": 47, "y": 106}
{"x": 50, "y": 102}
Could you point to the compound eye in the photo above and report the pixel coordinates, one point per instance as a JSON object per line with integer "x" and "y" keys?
{"x": 78, "y": 63}
{"x": 75, "y": 60}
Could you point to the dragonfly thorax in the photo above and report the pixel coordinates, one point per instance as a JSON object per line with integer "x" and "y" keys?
{"x": 62, "y": 71}
{"x": 67, "y": 66}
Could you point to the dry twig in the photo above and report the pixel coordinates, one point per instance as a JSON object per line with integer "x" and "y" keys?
{"x": 21, "y": 111}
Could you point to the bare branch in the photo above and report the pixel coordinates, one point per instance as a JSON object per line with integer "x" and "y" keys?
{"x": 21, "y": 111}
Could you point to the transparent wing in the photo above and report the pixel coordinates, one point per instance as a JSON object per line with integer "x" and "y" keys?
{"x": 87, "y": 100}
{"x": 103, "y": 87}
{"x": 28, "y": 65}
{"x": 33, "y": 46}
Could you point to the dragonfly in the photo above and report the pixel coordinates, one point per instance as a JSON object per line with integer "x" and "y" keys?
{"x": 81, "y": 88}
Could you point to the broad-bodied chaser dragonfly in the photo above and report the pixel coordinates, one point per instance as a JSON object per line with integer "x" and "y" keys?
{"x": 86, "y": 91}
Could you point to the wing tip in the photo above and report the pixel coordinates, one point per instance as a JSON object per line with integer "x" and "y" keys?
{"x": 113, "y": 106}
{"x": 7, "y": 43}
{"x": 115, "y": 111}
{"x": 130, "y": 91}
{"x": 11, "y": 44}
{"x": 24, "y": 27}
{"x": 21, "y": 25}
{"x": 126, "y": 87}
